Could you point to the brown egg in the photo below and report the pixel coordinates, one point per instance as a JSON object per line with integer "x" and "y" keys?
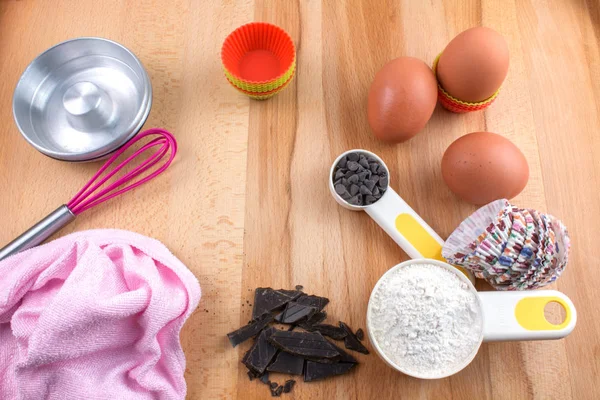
{"x": 474, "y": 64}
{"x": 482, "y": 167}
{"x": 401, "y": 99}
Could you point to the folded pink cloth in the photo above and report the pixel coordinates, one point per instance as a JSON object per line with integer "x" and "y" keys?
{"x": 94, "y": 315}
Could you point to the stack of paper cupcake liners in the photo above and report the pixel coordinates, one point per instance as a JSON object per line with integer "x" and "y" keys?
{"x": 512, "y": 248}
{"x": 259, "y": 59}
{"x": 455, "y": 105}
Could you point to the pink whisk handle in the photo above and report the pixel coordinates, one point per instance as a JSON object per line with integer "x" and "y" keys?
{"x": 93, "y": 193}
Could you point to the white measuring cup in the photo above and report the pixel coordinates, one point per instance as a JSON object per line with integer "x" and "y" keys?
{"x": 506, "y": 316}
{"x": 397, "y": 219}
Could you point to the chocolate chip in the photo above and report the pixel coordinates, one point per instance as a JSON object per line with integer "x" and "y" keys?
{"x": 364, "y": 175}
{"x": 353, "y": 157}
{"x": 365, "y": 190}
{"x": 348, "y": 174}
{"x": 382, "y": 172}
{"x": 370, "y": 184}
{"x": 370, "y": 200}
{"x": 353, "y": 165}
{"x": 373, "y": 167}
{"x": 342, "y": 162}
{"x": 355, "y": 200}
{"x": 338, "y": 182}
{"x": 360, "y": 168}
{"x": 339, "y": 174}
{"x": 346, "y": 196}
{"x": 376, "y": 191}
{"x": 344, "y": 181}
{"x": 277, "y": 392}
{"x": 383, "y": 182}
{"x": 353, "y": 179}
{"x": 340, "y": 189}
{"x": 363, "y": 161}
{"x": 354, "y": 190}
{"x": 374, "y": 178}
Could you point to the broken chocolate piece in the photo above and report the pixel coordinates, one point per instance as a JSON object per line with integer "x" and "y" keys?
{"x": 289, "y": 384}
{"x": 260, "y": 355}
{"x": 351, "y": 341}
{"x": 329, "y": 330}
{"x": 265, "y": 378}
{"x": 314, "y": 301}
{"x": 273, "y": 385}
{"x": 277, "y": 392}
{"x": 250, "y": 330}
{"x": 268, "y": 300}
{"x": 287, "y": 363}
{"x": 305, "y": 344}
{"x": 345, "y": 357}
{"x": 295, "y": 312}
{"x": 360, "y": 335}
{"x": 315, "y": 371}
{"x": 299, "y": 287}
{"x": 251, "y": 375}
{"x": 317, "y": 318}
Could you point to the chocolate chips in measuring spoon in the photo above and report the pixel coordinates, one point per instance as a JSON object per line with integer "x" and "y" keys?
{"x": 360, "y": 179}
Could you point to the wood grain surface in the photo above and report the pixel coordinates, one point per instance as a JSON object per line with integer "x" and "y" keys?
{"x": 246, "y": 202}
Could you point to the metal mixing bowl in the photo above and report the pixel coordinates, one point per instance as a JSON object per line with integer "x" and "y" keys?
{"x": 82, "y": 99}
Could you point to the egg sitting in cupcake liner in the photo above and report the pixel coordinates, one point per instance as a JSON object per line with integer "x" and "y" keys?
{"x": 511, "y": 248}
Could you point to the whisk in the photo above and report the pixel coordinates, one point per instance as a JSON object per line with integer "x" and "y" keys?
{"x": 92, "y": 194}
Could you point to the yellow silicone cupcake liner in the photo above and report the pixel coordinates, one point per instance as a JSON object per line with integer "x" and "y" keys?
{"x": 453, "y": 104}
{"x": 265, "y": 95}
{"x": 261, "y": 87}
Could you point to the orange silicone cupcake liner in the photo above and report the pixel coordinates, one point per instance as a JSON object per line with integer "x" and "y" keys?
{"x": 259, "y": 55}
{"x": 455, "y": 105}
{"x": 264, "y": 95}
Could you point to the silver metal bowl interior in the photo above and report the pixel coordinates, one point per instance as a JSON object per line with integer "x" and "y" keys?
{"x": 82, "y": 99}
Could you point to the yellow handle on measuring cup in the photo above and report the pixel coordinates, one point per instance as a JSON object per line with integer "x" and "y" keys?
{"x": 408, "y": 229}
{"x": 520, "y": 315}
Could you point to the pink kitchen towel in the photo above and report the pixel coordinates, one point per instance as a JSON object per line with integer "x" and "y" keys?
{"x": 94, "y": 315}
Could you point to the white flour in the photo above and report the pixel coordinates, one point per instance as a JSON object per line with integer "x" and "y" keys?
{"x": 425, "y": 319}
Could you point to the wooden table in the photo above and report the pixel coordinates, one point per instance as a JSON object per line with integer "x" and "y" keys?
{"x": 246, "y": 203}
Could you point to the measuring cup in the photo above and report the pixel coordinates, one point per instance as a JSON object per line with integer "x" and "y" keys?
{"x": 398, "y": 219}
{"x": 506, "y": 316}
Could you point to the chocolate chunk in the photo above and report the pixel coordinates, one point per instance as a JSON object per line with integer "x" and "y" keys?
{"x": 299, "y": 287}
{"x": 353, "y": 157}
{"x": 288, "y": 386}
{"x": 250, "y": 330}
{"x": 314, "y": 301}
{"x": 374, "y": 167}
{"x": 287, "y": 363}
{"x": 277, "y": 392}
{"x": 260, "y": 355}
{"x": 344, "y": 356}
{"x": 294, "y": 312}
{"x": 353, "y": 179}
{"x": 305, "y": 344}
{"x": 315, "y": 371}
{"x": 329, "y": 330}
{"x": 360, "y": 334}
{"x": 315, "y": 319}
{"x": 354, "y": 190}
{"x": 273, "y": 385}
{"x": 363, "y": 161}
{"x": 268, "y": 300}
{"x": 339, "y": 174}
{"x": 353, "y": 165}
{"x": 340, "y": 189}
{"x": 370, "y": 200}
{"x": 265, "y": 378}
{"x": 351, "y": 341}
{"x": 383, "y": 182}
{"x": 365, "y": 190}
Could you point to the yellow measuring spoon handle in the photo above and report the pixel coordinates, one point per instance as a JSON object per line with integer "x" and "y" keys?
{"x": 407, "y": 228}
{"x": 520, "y": 315}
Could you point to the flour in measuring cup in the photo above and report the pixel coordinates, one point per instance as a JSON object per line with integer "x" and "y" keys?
{"x": 426, "y": 320}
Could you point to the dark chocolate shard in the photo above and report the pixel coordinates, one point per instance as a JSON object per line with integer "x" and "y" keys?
{"x": 299, "y": 287}
{"x": 288, "y": 386}
{"x": 268, "y": 300}
{"x": 304, "y": 344}
{"x": 345, "y": 357}
{"x": 287, "y": 363}
{"x": 360, "y": 334}
{"x": 314, "y": 301}
{"x": 273, "y": 385}
{"x": 351, "y": 341}
{"x": 260, "y": 355}
{"x": 295, "y": 312}
{"x": 250, "y": 330}
{"x": 277, "y": 392}
{"x": 265, "y": 378}
{"x": 251, "y": 375}
{"x": 329, "y": 330}
{"x": 316, "y": 371}
{"x": 317, "y": 318}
